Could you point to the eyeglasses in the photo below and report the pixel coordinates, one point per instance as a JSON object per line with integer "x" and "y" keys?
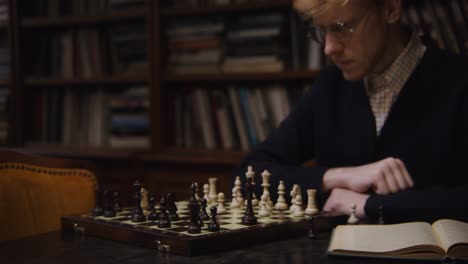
{"x": 340, "y": 30}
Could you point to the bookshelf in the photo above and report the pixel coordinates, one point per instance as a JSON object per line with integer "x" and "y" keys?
{"x": 165, "y": 160}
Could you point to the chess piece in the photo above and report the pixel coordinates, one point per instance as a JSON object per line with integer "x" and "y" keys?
{"x": 234, "y": 202}
{"x": 137, "y": 215}
{"x": 213, "y": 226}
{"x": 293, "y": 194}
{"x": 197, "y": 197}
{"x": 108, "y": 205}
{"x": 206, "y": 190}
{"x": 240, "y": 198}
{"x": 97, "y": 210}
{"x": 352, "y": 220}
{"x": 193, "y": 191}
{"x": 203, "y": 214}
{"x": 249, "y": 216}
{"x": 311, "y": 203}
{"x": 117, "y": 205}
{"x": 251, "y": 174}
{"x": 263, "y": 206}
{"x": 221, "y": 209}
{"x": 164, "y": 221}
{"x": 172, "y": 207}
{"x": 194, "y": 224}
{"x": 299, "y": 209}
{"x": 311, "y": 231}
{"x": 144, "y": 199}
{"x": 266, "y": 187}
{"x": 281, "y": 202}
{"x": 213, "y": 195}
{"x": 152, "y": 216}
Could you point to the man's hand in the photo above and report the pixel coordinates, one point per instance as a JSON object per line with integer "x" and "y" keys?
{"x": 383, "y": 177}
{"x": 340, "y": 200}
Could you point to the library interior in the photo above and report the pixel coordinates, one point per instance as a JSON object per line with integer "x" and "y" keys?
{"x": 167, "y": 98}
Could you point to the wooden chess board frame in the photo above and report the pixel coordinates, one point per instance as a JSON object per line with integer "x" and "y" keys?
{"x": 177, "y": 240}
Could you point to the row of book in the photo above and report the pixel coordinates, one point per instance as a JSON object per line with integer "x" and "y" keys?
{"x": 446, "y": 22}
{"x": 92, "y": 117}
{"x": 119, "y": 49}
{"x": 237, "y": 117}
{"x": 56, "y": 8}
{"x": 259, "y": 42}
{"x": 203, "y": 3}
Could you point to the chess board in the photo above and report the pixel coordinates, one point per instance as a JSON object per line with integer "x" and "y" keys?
{"x": 176, "y": 239}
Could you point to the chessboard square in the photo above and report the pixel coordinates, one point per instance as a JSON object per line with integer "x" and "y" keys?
{"x": 202, "y": 232}
{"x": 232, "y": 220}
{"x": 234, "y": 226}
{"x": 148, "y": 224}
{"x": 266, "y": 220}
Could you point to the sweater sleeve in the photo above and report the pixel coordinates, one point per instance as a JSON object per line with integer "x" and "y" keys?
{"x": 421, "y": 205}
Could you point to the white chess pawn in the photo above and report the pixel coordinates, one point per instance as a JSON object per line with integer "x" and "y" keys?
{"x": 220, "y": 207}
{"x": 144, "y": 199}
{"x": 234, "y": 202}
{"x": 311, "y": 204}
{"x": 281, "y": 202}
{"x": 299, "y": 212}
{"x": 293, "y": 194}
{"x": 352, "y": 220}
{"x": 238, "y": 184}
{"x": 206, "y": 190}
{"x": 263, "y": 212}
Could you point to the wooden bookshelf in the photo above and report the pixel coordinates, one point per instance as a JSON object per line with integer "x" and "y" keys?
{"x": 89, "y": 20}
{"x": 244, "y": 77}
{"x": 93, "y": 81}
{"x": 250, "y": 6}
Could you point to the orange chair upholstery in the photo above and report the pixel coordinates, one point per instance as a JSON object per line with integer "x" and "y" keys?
{"x": 36, "y": 191}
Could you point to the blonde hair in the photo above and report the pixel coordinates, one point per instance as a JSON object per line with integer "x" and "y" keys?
{"x": 320, "y": 6}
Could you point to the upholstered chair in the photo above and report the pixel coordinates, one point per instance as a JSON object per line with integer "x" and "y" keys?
{"x": 36, "y": 191}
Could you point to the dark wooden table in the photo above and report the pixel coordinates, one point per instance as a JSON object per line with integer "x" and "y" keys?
{"x": 69, "y": 248}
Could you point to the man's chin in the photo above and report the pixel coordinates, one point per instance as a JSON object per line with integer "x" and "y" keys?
{"x": 351, "y": 75}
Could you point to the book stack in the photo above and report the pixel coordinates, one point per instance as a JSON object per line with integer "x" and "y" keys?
{"x": 129, "y": 118}
{"x": 195, "y": 46}
{"x": 128, "y": 49}
{"x": 254, "y": 42}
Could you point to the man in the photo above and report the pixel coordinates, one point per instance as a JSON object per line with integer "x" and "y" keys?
{"x": 387, "y": 124}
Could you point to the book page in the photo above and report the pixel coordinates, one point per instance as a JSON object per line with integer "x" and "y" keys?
{"x": 451, "y": 232}
{"x": 383, "y": 238}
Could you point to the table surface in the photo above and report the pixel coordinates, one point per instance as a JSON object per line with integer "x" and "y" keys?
{"x": 69, "y": 248}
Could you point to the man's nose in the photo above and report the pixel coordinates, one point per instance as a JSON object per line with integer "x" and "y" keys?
{"x": 332, "y": 45}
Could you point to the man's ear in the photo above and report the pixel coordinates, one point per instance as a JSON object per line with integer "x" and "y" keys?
{"x": 393, "y": 11}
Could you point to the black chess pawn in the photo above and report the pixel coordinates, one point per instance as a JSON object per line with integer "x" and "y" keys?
{"x": 203, "y": 214}
{"x": 137, "y": 215}
{"x": 164, "y": 221}
{"x": 97, "y": 210}
{"x": 213, "y": 226}
{"x": 117, "y": 205}
{"x": 194, "y": 224}
{"x": 152, "y": 216}
{"x": 172, "y": 207}
{"x": 108, "y": 208}
{"x": 311, "y": 231}
{"x": 249, "y": 216}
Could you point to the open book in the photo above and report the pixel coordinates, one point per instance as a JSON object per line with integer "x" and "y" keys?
{"x": 445, "y": 238}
